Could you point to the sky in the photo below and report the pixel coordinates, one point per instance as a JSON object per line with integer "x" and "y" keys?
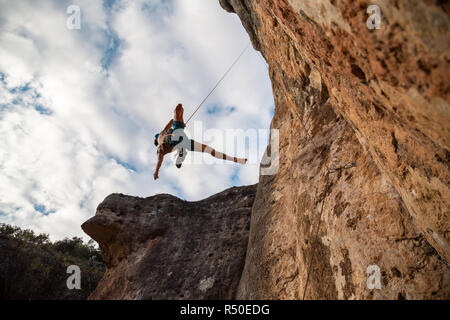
{"x": 79, "y": 107}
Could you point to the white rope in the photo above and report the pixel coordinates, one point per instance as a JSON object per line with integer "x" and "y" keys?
{"x": 220, "y": 80}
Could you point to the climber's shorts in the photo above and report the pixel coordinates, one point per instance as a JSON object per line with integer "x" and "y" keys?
{"x": 178, "y": 129}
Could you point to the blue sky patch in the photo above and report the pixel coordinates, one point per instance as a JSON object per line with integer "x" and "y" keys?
{"x": 235, "y": 177}
{"x": 42, "y": 110}
{"x": 18, "y": 100}
{"x": 20, "y": 89}
{"x": 112, "y": 49}
{"x": 159, "y": 9}
{"x": 4, "y": 107}
{"x": 215, "y": 109}
{"x": 126, "y": 165}
{"x": 42, "y": 209}
{"x": 109, "y": 4}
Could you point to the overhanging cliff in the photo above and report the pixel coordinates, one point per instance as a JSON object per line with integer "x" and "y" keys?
{"x": 347, "y": 94}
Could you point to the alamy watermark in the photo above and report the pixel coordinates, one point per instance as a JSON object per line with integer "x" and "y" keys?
{"x": 74, "y": 281}
{"x": 74, "y": 20}
{"x": 258, "y": 146}
{"x": 374, "y": 279}
{"x": 374, "y": 20}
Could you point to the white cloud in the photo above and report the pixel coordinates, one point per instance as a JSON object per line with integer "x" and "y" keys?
{"x": 79, "y": 108}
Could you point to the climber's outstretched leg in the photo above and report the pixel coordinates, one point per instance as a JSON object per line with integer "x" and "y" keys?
{"x": 178, "y": 113}
{"x": 199, "y": 147}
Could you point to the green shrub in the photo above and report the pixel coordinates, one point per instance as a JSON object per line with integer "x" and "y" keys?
{"x": 32, "y": 267}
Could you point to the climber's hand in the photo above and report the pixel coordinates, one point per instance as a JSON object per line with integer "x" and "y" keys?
{"x": 155, "y": 176}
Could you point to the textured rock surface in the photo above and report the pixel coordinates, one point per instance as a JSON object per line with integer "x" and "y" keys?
{"x": 162, "y": 247}
{"x": 377, "y": 98}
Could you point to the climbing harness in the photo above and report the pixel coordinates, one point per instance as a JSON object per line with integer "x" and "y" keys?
{"x": 220, "y": 80}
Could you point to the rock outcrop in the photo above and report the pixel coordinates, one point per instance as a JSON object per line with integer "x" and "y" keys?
{"x": 163, "y": 247}
{"x": 376, "y": 101}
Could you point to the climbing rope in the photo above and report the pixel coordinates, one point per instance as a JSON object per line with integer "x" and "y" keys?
{"x": 220, "y": 80}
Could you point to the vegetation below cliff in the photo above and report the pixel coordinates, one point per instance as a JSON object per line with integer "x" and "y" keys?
{"x": 34, "y": 268}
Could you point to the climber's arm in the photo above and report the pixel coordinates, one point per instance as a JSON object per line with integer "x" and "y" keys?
{"x": 158, "y": 165}
{"x": 168, "y": 126}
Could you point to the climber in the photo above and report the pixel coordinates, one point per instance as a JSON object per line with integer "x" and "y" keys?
{"x": 173, "y": 137}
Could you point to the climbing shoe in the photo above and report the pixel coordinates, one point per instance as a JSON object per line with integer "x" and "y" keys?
{"x": 180, "y": 156}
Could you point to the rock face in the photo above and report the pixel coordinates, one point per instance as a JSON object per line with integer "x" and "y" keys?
{"x": 162, "y": 247}
{"x": 378, "y": 101}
